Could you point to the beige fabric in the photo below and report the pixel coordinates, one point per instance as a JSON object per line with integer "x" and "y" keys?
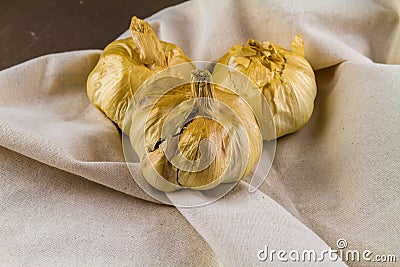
{"x": 50, "y": 217}
{"x": 338, "y": 177}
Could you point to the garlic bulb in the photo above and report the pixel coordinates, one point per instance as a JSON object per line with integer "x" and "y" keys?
{"x": 196, "y": 135}
{"x": 285, "y": 79}
{"x": 125, "y": 65}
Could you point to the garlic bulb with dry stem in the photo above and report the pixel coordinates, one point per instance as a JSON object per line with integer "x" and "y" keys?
{"x": 125, "y": 65}
{"x": 284, "y": 77}
{"x": 196, "y": 135}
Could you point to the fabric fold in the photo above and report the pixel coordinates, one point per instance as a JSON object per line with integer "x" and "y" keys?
{"x": 45, "y": 114}
{"x": 245, "y": 227}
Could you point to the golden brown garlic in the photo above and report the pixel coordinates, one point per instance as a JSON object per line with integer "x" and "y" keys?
{"x": 197, "y": 135}
{"x": 125, "y": 65}
{"x": 285, "y": 78}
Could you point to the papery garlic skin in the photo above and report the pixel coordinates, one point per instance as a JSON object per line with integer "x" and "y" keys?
{"x": 285, "y": 78}
{"x": 215, "y": 126}
{"x": 125, "y": 65}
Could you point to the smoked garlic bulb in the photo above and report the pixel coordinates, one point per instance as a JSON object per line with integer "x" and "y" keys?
{"x": 285, "y": 79}
{"x": 195, "y": 135}
{"x": 125, "y": 65}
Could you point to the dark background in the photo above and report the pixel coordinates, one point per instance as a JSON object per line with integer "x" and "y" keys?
{"x": 29, "y": 29}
